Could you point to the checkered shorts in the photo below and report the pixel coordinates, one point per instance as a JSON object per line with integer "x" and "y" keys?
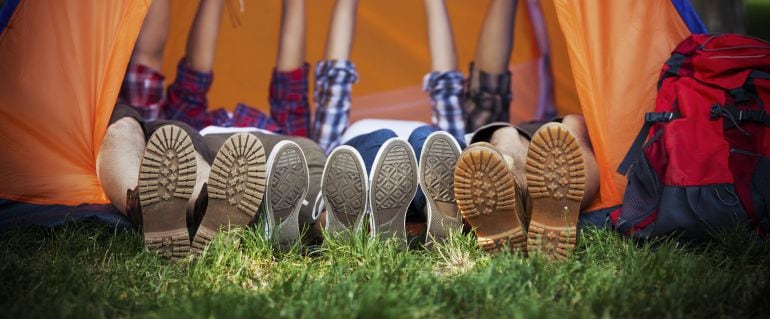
{"x": 446, "y": 91}
{"x": 142, "y": 89}
{"x": 487, "y": 98}
{"x": 334, "y": 82}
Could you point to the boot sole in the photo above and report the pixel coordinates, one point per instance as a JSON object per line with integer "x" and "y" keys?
{"x": 393, "y": 185}
{"x": 344, "y": 189}
{"x": 166, "y": 180}
{"x": 287, "y": 184}
{"x": 556, "y": 181}
{"x": 486, "y": 195}
{"x": 437, "y": 165}
{"x": 236, "y": 186}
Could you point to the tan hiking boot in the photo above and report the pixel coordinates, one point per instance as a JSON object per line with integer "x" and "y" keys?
{"x": 490, "y": 198}
{"x": 556, "y": 181}
{"x": 235, "y": 188}
{"x": 166, "y": 180}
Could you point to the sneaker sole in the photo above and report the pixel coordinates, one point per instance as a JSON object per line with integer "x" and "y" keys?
{"x": 235, "y": 187}
{"x": 486, "y": 195}
{"x": 166, "y": 180}
{"x": 287, "y": 184}
{"x": 344, "y": 189}
{"x": 556, "y": 181}
{"x": 437, "y": 165}
{"x": 393, "y": 185}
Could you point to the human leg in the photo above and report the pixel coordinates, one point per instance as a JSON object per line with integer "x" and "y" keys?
{"x": 143, "y": 84}
{"x": 488, "y": 94}
{"x": 335, "y": 76}
{"x": 445, "y": 83}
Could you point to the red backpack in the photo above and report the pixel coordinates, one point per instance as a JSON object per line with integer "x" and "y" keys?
{"x": 702, "y": 160}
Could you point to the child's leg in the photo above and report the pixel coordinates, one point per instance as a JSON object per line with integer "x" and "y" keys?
{"x": 335, "y": 77}
{"x": 488, "y": 95}
{"x": 444, "y": 84}
{"x": 289, "y": 107}
{"x": 187, "y": 101}
{"x": 143, "y": 84}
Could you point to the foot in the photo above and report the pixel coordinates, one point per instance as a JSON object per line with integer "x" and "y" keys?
{"x": 344, "y": 190}
{"x": 490, "y": 199}
{"x": 556, "y": 181}
{"x": 235, "y": 187}
{"x": 287, "y": 184}
{"x": 393, "y": 185}
{"x": 437, "y": 165}
{"x": 166, "y": 181}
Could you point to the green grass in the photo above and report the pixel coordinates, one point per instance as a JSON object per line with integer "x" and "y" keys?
{"x": 87, "y": 271}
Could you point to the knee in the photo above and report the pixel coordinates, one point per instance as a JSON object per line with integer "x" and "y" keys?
{"x": 381, "y": 135}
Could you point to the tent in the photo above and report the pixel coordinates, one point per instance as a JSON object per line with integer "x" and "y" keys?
{"x": 62, "y": 62}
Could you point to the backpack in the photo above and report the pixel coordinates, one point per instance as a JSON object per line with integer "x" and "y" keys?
{"x": 701, "y": 162}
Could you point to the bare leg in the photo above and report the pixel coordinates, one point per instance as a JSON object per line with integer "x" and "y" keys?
{"x": 442, "y": 45}
{"x": 291, "y": 45}
{"x": 341, "y": 30}
{"x": 493, "y": 50}
{"x": 149, "y": 46}
{"x": 202, "y": 40}
{"x": 118, "y": 161}
{"x": 509, "y": 142}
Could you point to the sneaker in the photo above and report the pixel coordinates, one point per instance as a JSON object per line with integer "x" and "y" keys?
{"x": 437, "y": 166}
{"x": 166, "y": 180}
{"x": 344, "y": 189}
{"x": 235, "y": 187}
{"x": 490, "y": 199}
{"x": 287, "y": 184}
{"x": 393, "y": 185}
{"x": 556, "y": 181}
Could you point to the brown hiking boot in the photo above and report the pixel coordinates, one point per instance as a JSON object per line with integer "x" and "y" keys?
{"x": 556, "y": 180}
{"x": 166, "y": 180}
{"x": 490, "y": 199}
{"x": 437, "y": 166}
{"x": 235, "y": 188}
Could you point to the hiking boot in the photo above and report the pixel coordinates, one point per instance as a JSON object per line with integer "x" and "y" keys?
{"x": 556, "y": 180}
{"x": 437, "y": 166}
{"x": 393, "y": 185}
{"x": 235, "y": 187}
{"x": 344, "y": 188}
{"x": 490, "y": 198}
{"x": 166, "y": 180}
{"x": 287, "y": 184}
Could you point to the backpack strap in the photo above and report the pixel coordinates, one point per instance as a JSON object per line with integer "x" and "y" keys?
{"x": 636, "y": 148}
{"x": 737, "y": 116}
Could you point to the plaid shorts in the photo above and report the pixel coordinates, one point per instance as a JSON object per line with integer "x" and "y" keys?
{"x": 487, "y": 98}
{"x": 334, "y": 82}
{"x": 142, "y": 89}
{"x": 446, "y": 91}
{"x": 290, "y": 111}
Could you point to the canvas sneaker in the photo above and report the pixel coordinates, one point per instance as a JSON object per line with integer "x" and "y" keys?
{"x": 344, "y": 190}
{"x": 287, "y": 185}
{"x": 393, "y": 186}
{"x": 437, "y": 165}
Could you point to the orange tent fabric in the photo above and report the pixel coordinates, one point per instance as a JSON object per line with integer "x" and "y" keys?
{"x": 61, "y": 66}
{"x": 616, "y": 50}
